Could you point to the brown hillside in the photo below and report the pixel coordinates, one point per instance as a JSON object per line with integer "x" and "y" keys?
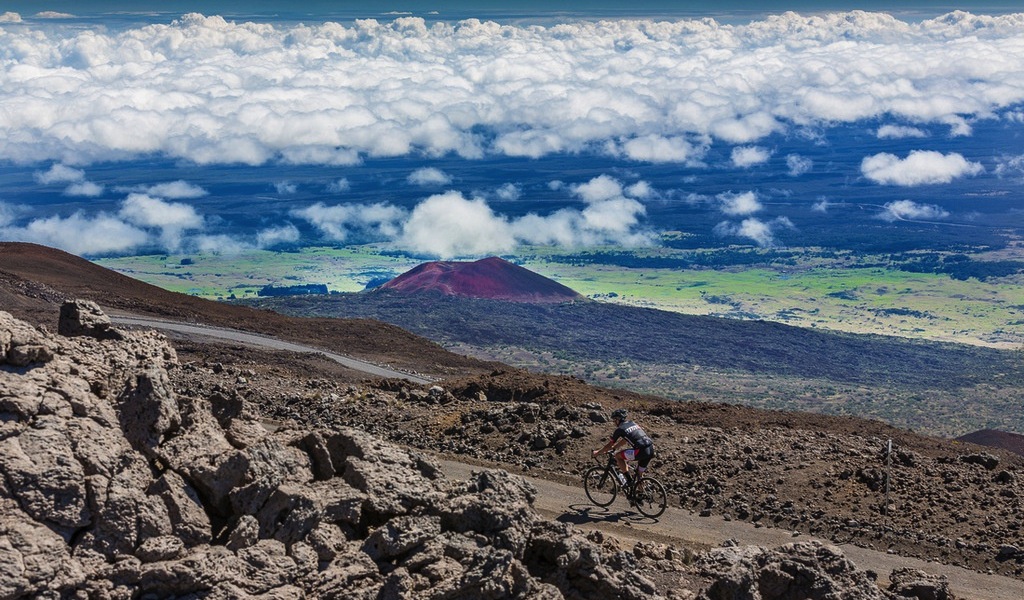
{"x": 34, "y": 279}
{"x": 490, "y": 278}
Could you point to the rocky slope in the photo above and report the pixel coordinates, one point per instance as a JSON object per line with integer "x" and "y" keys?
{"x": 948, "y": 501}
{"x": 124, "y": 476}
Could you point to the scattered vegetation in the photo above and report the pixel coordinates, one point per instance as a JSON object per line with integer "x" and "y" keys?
{"x": 957, "y": 266}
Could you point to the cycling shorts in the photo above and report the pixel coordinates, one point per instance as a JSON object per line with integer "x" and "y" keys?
{"x": 642, "y": 456}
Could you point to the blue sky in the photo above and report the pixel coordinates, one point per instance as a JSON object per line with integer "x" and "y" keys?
{"x": 176, "y": 131}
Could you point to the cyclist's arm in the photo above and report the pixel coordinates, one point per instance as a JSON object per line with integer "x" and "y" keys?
{"x": 607, "y": 447}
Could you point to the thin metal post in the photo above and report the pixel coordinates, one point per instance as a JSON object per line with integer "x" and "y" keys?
{"x": 888, "y": 471}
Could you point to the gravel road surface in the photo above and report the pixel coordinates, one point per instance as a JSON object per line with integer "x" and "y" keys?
{"x": 677, "y": 526}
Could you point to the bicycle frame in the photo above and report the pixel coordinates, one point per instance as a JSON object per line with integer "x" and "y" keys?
{"x": 613, "y": 466}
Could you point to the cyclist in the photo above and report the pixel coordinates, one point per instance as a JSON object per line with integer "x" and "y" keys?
{"x": 628, "y": 433}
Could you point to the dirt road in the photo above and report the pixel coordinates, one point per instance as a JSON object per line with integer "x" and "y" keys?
{"x": 569, "y": 504}
{"x": 262, "y": 342}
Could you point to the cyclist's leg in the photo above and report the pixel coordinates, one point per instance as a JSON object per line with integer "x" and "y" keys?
{"x": 643, "y": 458}
{"x": 621, "y": 457}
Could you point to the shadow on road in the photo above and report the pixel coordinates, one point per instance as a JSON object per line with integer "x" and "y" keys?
{"x": 580, "y": 514}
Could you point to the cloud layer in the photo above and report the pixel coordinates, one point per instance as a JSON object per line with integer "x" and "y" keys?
{"x": 212, "y": 91}
{"x": 444, "y": 225}
{"x": 450, "y": 225}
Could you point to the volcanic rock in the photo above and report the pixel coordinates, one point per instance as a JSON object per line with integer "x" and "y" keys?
{"x": 809, "y": 570}
{"x": 115, "y": 486}
{"x": 84, "y": 317}
{"x": 116, "y": 483}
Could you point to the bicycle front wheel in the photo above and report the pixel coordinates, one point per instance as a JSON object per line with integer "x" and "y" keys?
{"x": 650, "y": 497}
{"x": 600, "y": 485}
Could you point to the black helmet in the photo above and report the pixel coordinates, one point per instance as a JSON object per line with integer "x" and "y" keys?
{"x": 619, "y": 413}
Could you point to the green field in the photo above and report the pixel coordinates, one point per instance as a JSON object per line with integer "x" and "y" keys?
{"x": 841, "y": 292}
{"x": 243, "y": 274}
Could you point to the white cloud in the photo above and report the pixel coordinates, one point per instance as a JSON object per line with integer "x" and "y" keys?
{"x": 449, "y": 225}
{"x": 598, "y": 189}
{"x": 641, "y": 190}
{"x": 277, "y": 236}
{"x": 613, "y": 216}
{"x": 171, "y": 190}
{"x": 429, "y": 177}
{"x": 760, "y": 232}
{"x": 52, "y": 14}
{"x": 659, "y": 149}
{"x": 895, "y": 132}
{"x": 79, "y": 186}
{"x": 822, "y": 205}
{"x": 444, "y": 225}
{"x": 87, "y": 189}
{"x": 509, "y": 192}
{"x": 920, "y": 167}
{"x": 751, "y": 228}
{"x": 211, "y": 91}
{"x": 339, "y": 187}
{"x": 147, "y": 211}
{"x": 285, "y": 188}
{"x": 1010, "y": 166}
{"x": 748, "y": 156}
{"x": 958, "y": 126}
{"x": 59, "y": 173}
{"x": 172, "y": 219}
{"x": 220, "y": 244}
{"x": 8, "y": 214}
{"x": 739, "y": 204}
{"x": 176, "y": 190}
{"x": 337, "y": 223}
{"x": 142, "y": 223}
{"x": 907, "y": 210}
{"x": 80, "y": 234}
{"x": 798, "y": 165}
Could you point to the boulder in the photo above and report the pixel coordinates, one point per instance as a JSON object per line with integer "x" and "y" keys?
{"x": 84, "y": 317}
{"x": 905, "y": 582}
{"x": 808, "y": 570}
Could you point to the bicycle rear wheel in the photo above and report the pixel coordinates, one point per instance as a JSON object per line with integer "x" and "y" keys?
{"x": 650, "y": 497}
{"x": 600, "y": 485}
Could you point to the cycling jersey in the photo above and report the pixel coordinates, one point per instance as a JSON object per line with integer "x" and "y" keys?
{"x": 633, "y": 434}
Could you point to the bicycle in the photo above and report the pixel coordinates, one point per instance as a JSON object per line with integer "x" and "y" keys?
{"x": 601, "y": 483}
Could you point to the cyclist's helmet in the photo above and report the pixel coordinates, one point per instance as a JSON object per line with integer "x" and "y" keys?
{"x": 619, "y": 413}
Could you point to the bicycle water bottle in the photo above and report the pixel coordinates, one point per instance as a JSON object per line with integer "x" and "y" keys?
{"x": 622, "y": 478}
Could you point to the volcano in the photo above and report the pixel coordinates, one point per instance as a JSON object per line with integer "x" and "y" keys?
{"x": 491, "y": 278}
